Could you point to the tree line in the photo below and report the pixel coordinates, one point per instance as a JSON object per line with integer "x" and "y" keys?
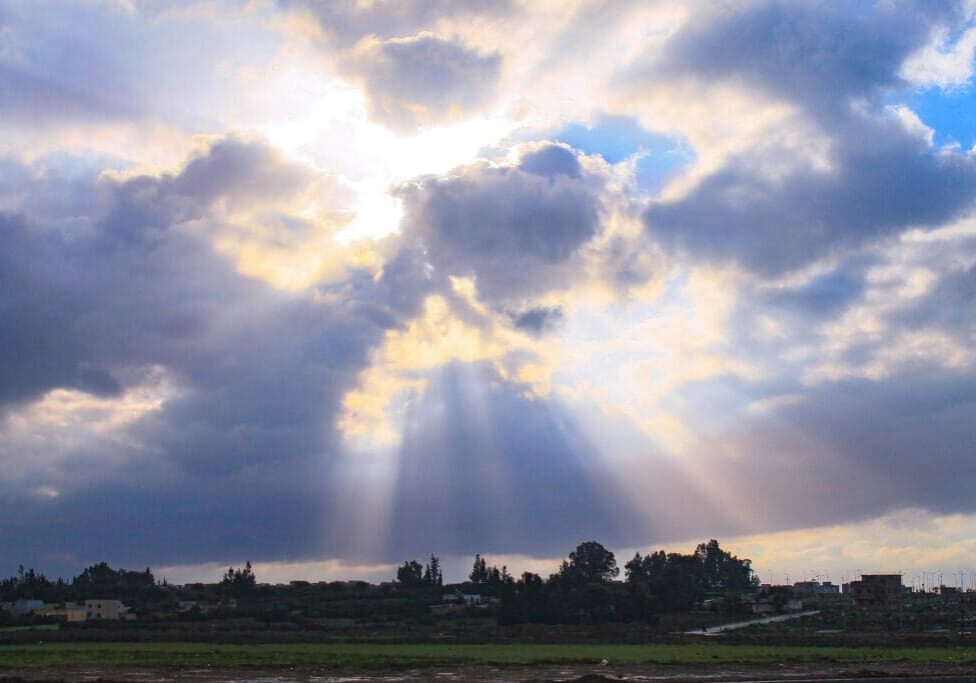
{"x": 102, "y": 581}
{"x": 98, "y": 580}
{"x": 584, "y": 588}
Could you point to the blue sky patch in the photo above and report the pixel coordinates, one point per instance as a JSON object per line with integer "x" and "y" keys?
{"x": 617, "y": 138}
{"x": 951, "y": 114}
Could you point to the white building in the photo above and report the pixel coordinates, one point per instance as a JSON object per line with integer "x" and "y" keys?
{"x": 105, "y": 609}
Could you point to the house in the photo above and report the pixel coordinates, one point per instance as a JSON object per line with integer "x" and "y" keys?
{"x": 23, "y": 607}
{"x": 105, "y": 609}
{"x": 185, "y": 606}
{"x": 70, "y": 612}
{"x": 877, "y": 590}
{"x": 813, "y": 588}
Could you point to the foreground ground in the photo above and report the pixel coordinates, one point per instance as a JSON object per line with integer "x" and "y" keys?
{"x": 326, "y": 662}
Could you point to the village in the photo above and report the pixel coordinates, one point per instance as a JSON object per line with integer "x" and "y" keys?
{"x": 874, "y": 602}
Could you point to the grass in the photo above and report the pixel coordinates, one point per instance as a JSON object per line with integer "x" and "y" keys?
{"x": 366, "y": 655}
{"x": 32, "y": 627}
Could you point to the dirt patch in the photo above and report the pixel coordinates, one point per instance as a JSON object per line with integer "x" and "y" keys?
{"x": 485, "y": 674}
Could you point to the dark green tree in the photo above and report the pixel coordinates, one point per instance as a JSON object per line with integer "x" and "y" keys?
{"x": 239, "y": 582}
{"x": 589, "y": 563}
{"x": 721, "y": 571}
{"x": 411, "y": 573}
{"x": 432, "y": 572}
{"x": 479, "y": 571}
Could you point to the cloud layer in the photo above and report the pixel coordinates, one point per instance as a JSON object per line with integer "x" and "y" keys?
{"x": 293, "y": 282}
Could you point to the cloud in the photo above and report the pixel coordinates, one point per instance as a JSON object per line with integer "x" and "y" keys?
{"x": 347, "y": 21}
{"x": 516, "y": 229}
{"x": 817, "y": 54}
{"x": 423, "y": 80}
{"x": 852, "y": 450}
{"x": 124, "y": 287}
{"x": 715, "y": 276}
{"x": 539, "y": 319}
{"x": 258, "y": 374}
{"x": 234, "y": 171}
{"x": 63, "y": 75}
{"x": 944, "y": 62}
{"x": 483, "y": 467}
{"x": 769, "y": 209}
{"x": 415, "y": 68}
{"x": 550, "y": 161}
{"x": 233, "y": 447}
{"x": 95, "y": 63}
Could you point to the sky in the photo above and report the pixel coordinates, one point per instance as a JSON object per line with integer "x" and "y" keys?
{"x": 331, "y": 286}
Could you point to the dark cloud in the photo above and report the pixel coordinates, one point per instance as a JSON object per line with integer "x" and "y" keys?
{"x": 626, "y": 263}
{"x": 108, "y": 285}
{"x": 153, "y": 520}
{"x": 888, "y": 426}
{"x": 949, "y": 307}
{"x": 539, "y": 319}
{"x": 882, "y": 177}
{"x": 550, "y": 161}
{"x": 130, "y": 290}
{"x": 882, "y": 184}
{"x": 824, "y": 296}
{"x": 98, "y": 63}
{"x": 50, "y": 71}
{"x": 246, "y": 172}
{"x": 232, "y": 170}
{"x": 820, "y": 54}
{"x": 424, "y": 80}
{"x": 853, "y": 450}
{"x": 516, "y": 232}
{"x": 411, "y": 77}
{"x": 260, "y": 374}
{"x": 242, "y": 460}
{"x": 346, "y": 21}
{"x": 483, "y": 468}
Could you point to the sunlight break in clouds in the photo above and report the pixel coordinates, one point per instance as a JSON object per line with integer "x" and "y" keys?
{"x": 327, "y": 286}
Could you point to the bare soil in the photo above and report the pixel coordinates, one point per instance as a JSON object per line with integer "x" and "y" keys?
{"x": 534, "y": 674}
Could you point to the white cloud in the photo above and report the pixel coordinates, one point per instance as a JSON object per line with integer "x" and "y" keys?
{"x": 944, "y": 62}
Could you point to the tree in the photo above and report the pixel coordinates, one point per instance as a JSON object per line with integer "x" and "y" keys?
{"x": 432, "y": 572}
{"x": 589, "y": 563}
{"x": 239, "y": 581}
{"x": 479, "y": 571}
{"x": 524, "y": 600}
{"x": 721, "y": 571}
{"x": 410, "y": 573}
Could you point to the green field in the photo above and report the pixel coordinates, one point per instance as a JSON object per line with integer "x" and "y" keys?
{"x": 32, "y": 627}
{"x": 366, "y": 655}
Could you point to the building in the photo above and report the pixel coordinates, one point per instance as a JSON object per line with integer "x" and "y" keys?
{"x": 877, "y": 590}
{"x": 24, "y": 608}
{"x": 70, "y": 612}
{"x": 105, "y": 609}
{"x": 813, "y": 589}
